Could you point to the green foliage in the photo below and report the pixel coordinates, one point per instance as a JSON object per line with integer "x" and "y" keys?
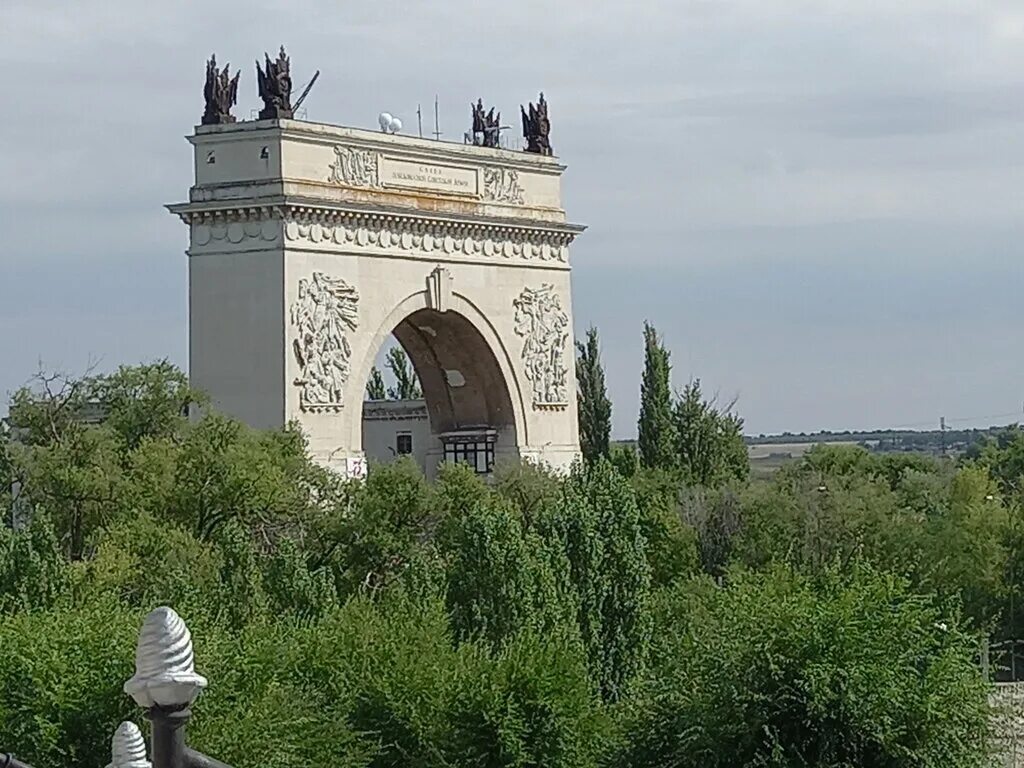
{"x": 595, "y": 409}
{"x": 33, "y": 573}
{"x": 710, "y": 446}
{"x": 226, "y": 471}
{"x": 407, "y": 385}
{"x": 657, "y": 439}
{"x": 530, "y": 619}
{"x": 672, "y": 545}
{"x": 531, "y": 705}
{"x": 625, "y": 459}
{"x": 143, "y": 563}
{"x": 293, "y": 588}
{"x": 782, "y": 669}
{"x": 146, "y": 401}
{"x": 1003, "y": 456}
{"x": 78, "y": 481}
{"x": 501, "y": 579}
{"x": 375, "y": 387}
{"x": 61, "y": 673}
{"x": 528, "y": 486}
{"x": 599, "y": 523}
{"x": 966, "y": 553}
{"x": 719, "y": 520}
{"x": 378, "y": 539}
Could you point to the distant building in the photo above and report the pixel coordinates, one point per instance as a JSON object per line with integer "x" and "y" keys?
{"x": 396, "y": 428}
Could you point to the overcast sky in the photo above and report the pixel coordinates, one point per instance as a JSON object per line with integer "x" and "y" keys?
{"x": 820, "y": 203}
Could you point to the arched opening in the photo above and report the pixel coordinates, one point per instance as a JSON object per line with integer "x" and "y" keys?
{"x": 465, "y": 413}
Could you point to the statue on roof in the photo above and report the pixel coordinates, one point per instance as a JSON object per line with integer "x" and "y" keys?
{"x": 486, "y": 125}
{"x": 275, "y": 86}
{"x": 537, "y": 128}
{"x": 221, "y": 93}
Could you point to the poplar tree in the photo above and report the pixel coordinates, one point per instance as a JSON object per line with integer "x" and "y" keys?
{"x": 375, "y": 389}
{"x": 595, "y": 409}
{"x": 407, "y": 386}
{"x": 656, "y": 436}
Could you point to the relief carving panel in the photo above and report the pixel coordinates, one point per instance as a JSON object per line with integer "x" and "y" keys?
{"x": 322, "y": 315}
{"x": 544, "y": 326}
{"x": 354, "y": 167}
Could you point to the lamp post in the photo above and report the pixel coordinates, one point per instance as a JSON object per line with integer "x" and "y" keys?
{"x": 165, "y": 684}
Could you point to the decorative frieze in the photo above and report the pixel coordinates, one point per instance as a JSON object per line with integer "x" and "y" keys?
{"x": 352, "y": 232}
{"x": 234, "y": 226}
{"x": 544, "y": 326}
{"x": 430, "y": 238}
{"x": 326, "y": 308}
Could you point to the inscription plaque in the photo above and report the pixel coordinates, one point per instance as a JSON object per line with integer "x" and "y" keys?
{"x": 431, "y": 177}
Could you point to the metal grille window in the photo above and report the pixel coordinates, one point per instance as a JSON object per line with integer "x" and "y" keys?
{"x": 403, "y": 444}
{"x": 478, "y": 454}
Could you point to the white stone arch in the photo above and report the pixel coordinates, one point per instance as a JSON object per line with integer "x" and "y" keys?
{"x": 463, "y": 307}
{"x": 277, "y": 201}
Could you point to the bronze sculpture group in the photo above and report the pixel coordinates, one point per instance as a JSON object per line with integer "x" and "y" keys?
{"x": 274, "y": 83}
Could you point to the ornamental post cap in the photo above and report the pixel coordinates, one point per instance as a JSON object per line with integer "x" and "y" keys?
{"x": 165, "y": 674}
{"x": 127, "y": 749}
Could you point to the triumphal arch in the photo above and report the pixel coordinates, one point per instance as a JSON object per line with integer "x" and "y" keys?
{"x": 310, "y": 244}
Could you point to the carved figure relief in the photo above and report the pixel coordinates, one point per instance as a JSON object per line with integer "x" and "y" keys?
{"x": 544, "y": 326}
{"x": 323, "y": 313}
{"x": 355, "y": 167}
{"x": 502, "y": 186}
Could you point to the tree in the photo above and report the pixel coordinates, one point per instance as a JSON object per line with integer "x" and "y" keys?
{"x": 1003, "y": 455}
{"x": 407, "y": 386}
{"x": 595, "y": 409}
{"x": 656, "y": 430}
{"x": 145, "y": 401}
{"x": 599, "y": 524}
{"x": 709, "y": 443}
{"x": 500, "y": 579}
{"x": 33, "y": 573}
{"x": 375, "y": 389}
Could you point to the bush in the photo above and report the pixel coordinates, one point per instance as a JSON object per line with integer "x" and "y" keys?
{"x": 61, "y": 673}
{"x": 783, "y": 669}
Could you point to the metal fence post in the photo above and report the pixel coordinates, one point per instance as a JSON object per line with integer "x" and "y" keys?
{"x": 165, "y": 684}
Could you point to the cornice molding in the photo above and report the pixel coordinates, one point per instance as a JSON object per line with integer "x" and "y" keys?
{"x": 326, "y": 227}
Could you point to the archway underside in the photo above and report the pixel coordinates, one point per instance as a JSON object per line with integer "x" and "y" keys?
{"x": 462, "y": 383}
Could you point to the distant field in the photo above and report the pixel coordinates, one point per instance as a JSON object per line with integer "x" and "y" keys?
{"x": 765, "y": 459}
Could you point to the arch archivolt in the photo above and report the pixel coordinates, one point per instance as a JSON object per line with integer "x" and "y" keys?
{"x": 412, "y": 320}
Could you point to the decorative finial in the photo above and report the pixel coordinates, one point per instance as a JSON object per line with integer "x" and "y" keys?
{"x": 127, "y": 749}
{"x": 165, "y": 674}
